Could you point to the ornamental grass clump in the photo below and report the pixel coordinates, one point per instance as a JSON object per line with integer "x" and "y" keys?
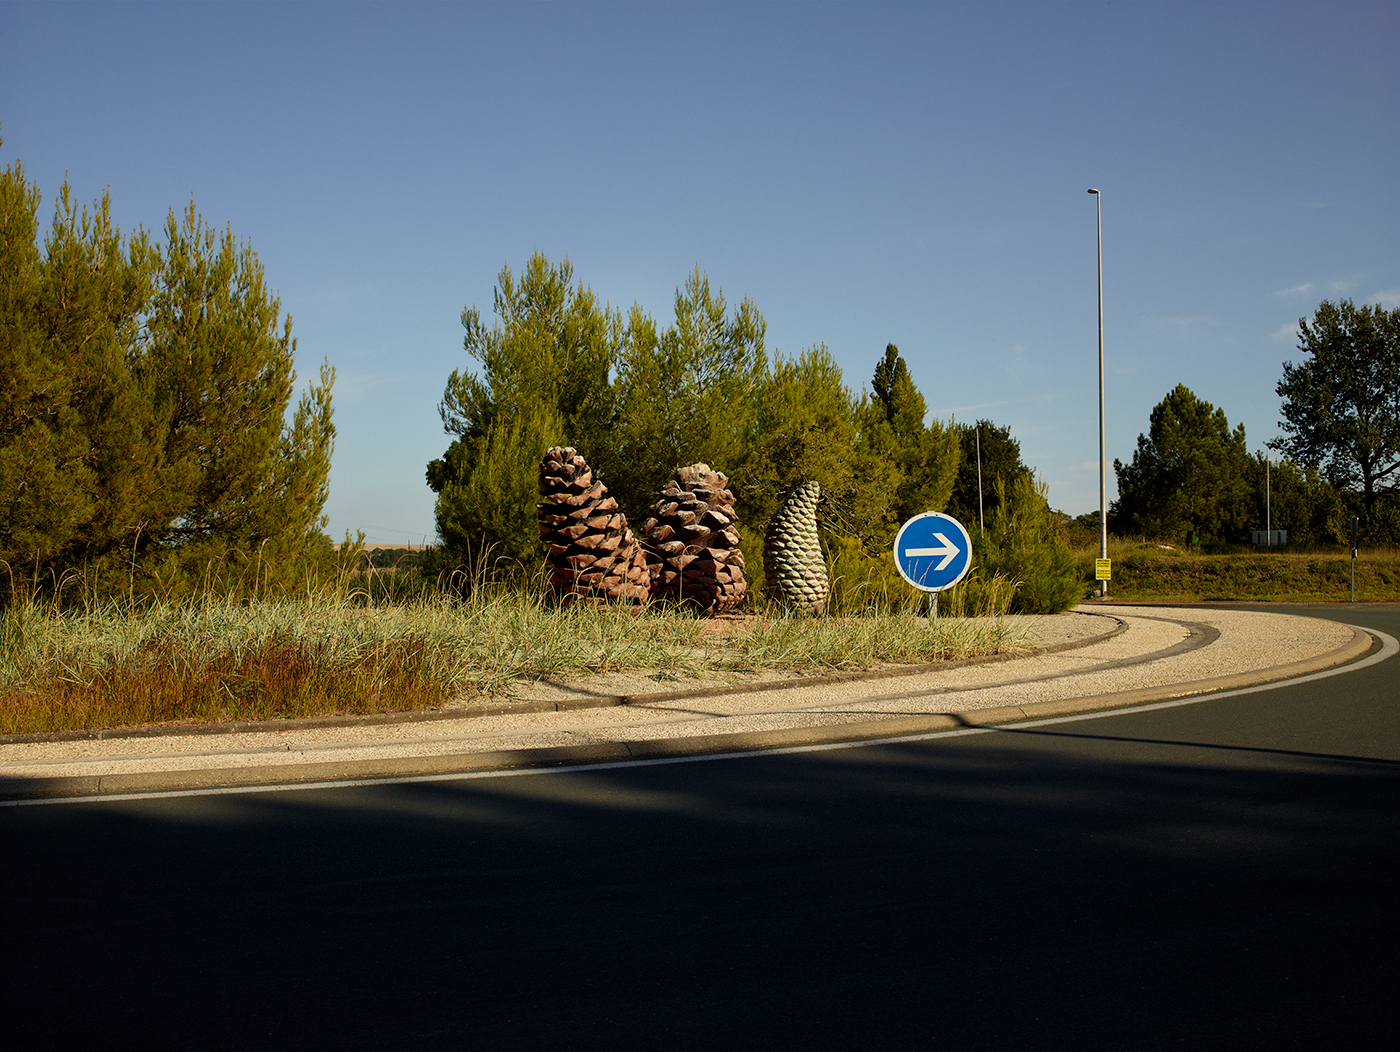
{"x": 330, "y": 654}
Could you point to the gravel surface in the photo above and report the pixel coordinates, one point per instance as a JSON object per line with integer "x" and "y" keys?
{"x": 1247, "y": 642}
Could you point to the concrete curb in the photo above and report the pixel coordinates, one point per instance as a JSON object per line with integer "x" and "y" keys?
{"x": 611, "y": 752}
{"x": 518, "y": 708}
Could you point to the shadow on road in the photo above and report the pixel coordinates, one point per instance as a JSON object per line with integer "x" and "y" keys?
{"x": 977, "y": 893}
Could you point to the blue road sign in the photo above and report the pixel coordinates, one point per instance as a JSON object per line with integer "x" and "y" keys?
{"x": 932, "y": 551}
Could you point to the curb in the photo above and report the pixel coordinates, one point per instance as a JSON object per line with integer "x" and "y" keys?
{"x": 518, "y": 708}
{"x": 616, "y": 752}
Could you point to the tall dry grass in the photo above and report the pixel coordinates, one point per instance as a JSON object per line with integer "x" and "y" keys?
{"x": 332, "y": 652}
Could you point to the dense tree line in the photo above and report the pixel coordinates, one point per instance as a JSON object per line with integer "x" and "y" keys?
{"x": 144, "y": 445}
{"x": 1193, "y": 474}
{"x": 641, "y": 400}
{"x": 560, "y": 368}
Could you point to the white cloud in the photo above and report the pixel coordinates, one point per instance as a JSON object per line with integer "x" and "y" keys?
{"x": 1389, "y": 298}
{"x": 357, "y": 386}
{"x": 1297, "y": 290}
{"x": 1286, "y": 333}
{"x": 1046, "y": 396}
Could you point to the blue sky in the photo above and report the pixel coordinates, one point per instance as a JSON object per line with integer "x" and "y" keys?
{"x": 866, "y": 173}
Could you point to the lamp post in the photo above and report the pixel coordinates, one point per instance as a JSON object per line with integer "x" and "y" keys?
{"x": 1103, "y": 483}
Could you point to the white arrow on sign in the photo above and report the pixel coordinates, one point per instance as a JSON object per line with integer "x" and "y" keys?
{"x": 948, "y": 551}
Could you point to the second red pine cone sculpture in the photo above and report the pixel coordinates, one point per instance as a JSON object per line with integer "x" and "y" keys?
{"x": 693, "y": 537}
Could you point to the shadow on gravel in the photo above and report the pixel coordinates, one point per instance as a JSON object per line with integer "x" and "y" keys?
{"x": 984, "y": 893}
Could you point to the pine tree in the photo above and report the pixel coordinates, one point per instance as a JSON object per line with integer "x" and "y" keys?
{"x": 141, "y": 431}
{"x": 927, "y": 456}
{"x": 1190, "y": 472}
{"x": 543, "y": 378}
{"x": 1023, "y": 543}
{"x": 1000, "y": 458}
{"x": 684, "y": 394}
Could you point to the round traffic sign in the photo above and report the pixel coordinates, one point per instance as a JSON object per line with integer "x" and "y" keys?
{"x": 932, "y": 551}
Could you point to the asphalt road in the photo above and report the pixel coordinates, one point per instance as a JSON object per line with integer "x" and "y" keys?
{"x": 1216, "y": 875}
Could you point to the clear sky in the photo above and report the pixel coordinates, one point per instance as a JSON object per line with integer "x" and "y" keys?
{"x": 866, "y": 173}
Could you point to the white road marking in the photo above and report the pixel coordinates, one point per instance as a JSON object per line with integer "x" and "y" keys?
{"x": 1389, "y": 648}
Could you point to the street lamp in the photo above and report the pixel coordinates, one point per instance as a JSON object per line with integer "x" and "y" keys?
{"x": 1103, "y": 483}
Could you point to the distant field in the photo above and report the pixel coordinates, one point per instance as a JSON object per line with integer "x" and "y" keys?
{"x": 1140, "y": 572}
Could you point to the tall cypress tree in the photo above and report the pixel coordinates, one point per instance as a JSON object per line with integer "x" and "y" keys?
{"x": 927, "y": 457}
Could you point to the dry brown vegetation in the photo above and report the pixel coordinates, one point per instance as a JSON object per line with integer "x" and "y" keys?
{"x": 330, "y": 654}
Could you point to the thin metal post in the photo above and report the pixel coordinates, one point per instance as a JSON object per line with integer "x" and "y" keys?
{"x": 1353, "y": 523}
{"x": 1268, "y": 504}
{"x": 933, "y": 606}
{"x": 1103, "y": 476}
{"x": 981, "y": 522}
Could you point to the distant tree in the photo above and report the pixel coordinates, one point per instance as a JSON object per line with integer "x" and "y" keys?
{"x": 1298, "y": 500}
{"x": 543, "y": 381}
{"x": 1190, "y": 471}
{"x": 1000, "y": 459}
{"x": 1341, "y": 408}
{"x": 142, "y": 431}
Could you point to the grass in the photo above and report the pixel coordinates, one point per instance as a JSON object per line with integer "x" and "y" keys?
{"x": 1154, "y": 572}
{"x": 332, "y": 654}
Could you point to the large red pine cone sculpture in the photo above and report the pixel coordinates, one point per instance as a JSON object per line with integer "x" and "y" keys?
{"x": 693, "y": 537}
{"x": 592, "y": 554}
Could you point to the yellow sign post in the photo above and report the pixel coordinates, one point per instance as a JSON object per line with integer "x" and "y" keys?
{"x": 1103, "y": 569}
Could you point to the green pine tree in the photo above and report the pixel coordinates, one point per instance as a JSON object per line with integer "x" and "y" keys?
{"x": 543, "y": 381}
{"x": 142, "y": 442}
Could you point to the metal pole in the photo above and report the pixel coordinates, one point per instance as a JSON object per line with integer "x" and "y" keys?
{"x": 1268, "y": 503}
{"x": 1103, "y": 476}
{"x": 981, "y": 522}
{"x": 1352, "y": 524}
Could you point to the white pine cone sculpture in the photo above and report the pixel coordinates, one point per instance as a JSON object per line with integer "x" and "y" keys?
{"x": 693, "y": 536}
{"x": 792, "y": 556}
{"x": 591, "y": 553}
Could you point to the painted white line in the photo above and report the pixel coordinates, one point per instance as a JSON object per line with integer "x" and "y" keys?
{"x": 1389, "y": 648}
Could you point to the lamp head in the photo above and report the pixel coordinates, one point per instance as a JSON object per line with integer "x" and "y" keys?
{"x": 1093, "y": 191}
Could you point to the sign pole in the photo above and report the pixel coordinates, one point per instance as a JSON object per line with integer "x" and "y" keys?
{"x": 1354, "y": 523}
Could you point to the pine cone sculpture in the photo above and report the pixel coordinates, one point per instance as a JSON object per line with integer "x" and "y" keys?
{"x": 693, "y": 535}
{"x": 592, "y": 554}
{"x": 792, "y": 556}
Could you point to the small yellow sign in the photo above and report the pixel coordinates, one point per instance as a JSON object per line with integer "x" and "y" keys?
{"x": 1103, "y": 569}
